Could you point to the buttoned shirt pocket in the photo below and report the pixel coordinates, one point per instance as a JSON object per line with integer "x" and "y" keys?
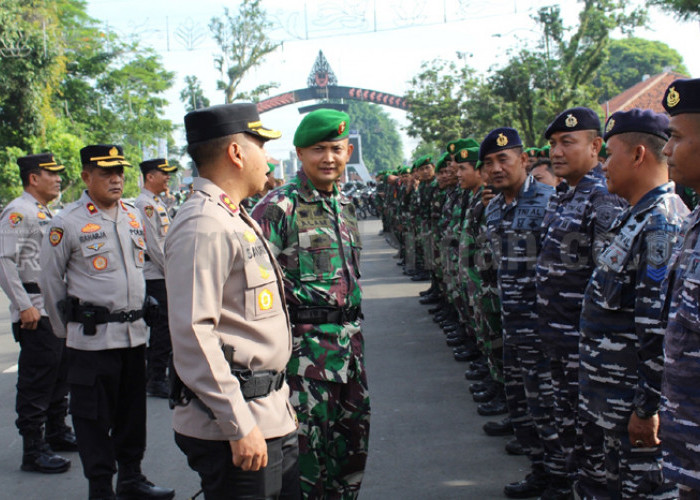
{"x": 98, "y": 257}
{"x": 139, "y": 249}
{"x": 316, "y": 251}
{"x": 262, "y": 298}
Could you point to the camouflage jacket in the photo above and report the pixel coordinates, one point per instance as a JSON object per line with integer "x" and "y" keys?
{"x": 621, "y": 344}
{"x": 576, "y": 220}
{"x": 514, "y": 232}
{"x": 316, "y": 241}
{"x": 680, "y": 412}
{"x": 469, "y": 232}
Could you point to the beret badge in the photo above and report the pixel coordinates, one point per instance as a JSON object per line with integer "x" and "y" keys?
{"x": 673, "y": 97}
{"x": 501, "y": 140}
{"x": 464, "y": 153}
{"x": 113, "y": 152}
{"x": 571, "y": 121}
{"x": 452, "y": 148}
{"x": 341, "y": 127}
{"x": 611, "y": 125}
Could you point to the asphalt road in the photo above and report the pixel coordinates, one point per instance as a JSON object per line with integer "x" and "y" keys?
{"x": 426, "y": 440}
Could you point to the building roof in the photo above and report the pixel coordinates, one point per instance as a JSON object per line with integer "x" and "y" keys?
{"x": 647, "y": 94}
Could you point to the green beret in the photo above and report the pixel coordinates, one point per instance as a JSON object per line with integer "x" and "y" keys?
{"x": 270, "y": 167}
{"x": 603, "y": 152}
{"x": 405, "y": 170}
{"x": 532, "y": 152}
{"x": 544, "y": 152}
{"x": 467, "y": 155}
{"x": 423, "y": 160}
{"x": 442, "y": 162}
{"x": 454, "y": 146}
{"x": 321, "y": 125}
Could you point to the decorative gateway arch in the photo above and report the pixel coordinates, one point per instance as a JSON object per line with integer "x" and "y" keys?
{"x": 323, "y": 84}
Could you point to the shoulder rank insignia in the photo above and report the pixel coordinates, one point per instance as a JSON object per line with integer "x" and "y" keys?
{"x": 123, "y": 206}
{"x": 673, "y": 97}
{"x": 228, "y": 203}
{"x": 571, "y": 121}
{"x": 501, "y": 140}
{"x": 90, "y": 228}
{"x": 149, "y": 210}
{"x": 55, "y": 236}
{"x": 15, "y": 219}
{"x": 91, "y": 208}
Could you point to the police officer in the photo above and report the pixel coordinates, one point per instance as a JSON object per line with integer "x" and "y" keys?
{"x": 680, "y": 415}
{"x": 621, "y": 344}
{"x": 41, "y": 379}
{"x": 314, "y": 234}
{"x": 513, "y": 220}
{"x": 92, "y": 278}
{"x": 156, "y": 176}
{"x": 577, "y": 216}
{"x": 230, "y": 330}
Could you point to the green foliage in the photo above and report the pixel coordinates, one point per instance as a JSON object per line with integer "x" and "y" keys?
{"x": 381, "y": 143}
{"x": 65, "y": 83}
{"x": 632, "y": 58}
{"x": 685, "y": 10}
{"x": 243, "y": 45}
{"x": 192, "y": 96}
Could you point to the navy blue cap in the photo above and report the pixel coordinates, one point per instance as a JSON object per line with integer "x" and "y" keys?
{"x": 157, "y": 164}
{"x": 103, "y": 156}
{"x": 499, "y": 139}
{"x": 682, "y": 96}
{"x": 574, "y": 119}
{"x": 43, "y": 161}
{"x": 637, "y": 120}
{"x": 213, "y": 122}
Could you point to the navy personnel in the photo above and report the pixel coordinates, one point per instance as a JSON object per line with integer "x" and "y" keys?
{"x": 621, "y": 344}
{"x": 41, "y": 379}
{"x": 513, "y": 220}
{"x": 577, "y": 216}
{"x": 229, "y": 325}
{"x": 156, "y": 222}
{"x": 92, "y": 278}
{"x": 680, "y": 415}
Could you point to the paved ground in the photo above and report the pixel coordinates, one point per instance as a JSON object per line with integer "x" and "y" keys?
{"x": 426, "y": 440}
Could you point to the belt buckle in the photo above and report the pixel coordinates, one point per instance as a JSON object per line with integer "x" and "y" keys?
{"x": 126, "y": 316}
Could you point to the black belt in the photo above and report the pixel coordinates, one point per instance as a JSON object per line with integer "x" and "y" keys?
{"x": 319, "y": 315}
{"x": 31, "y": 287}
{"x": 258, "y": 384}
{"x": 147, "y": 257}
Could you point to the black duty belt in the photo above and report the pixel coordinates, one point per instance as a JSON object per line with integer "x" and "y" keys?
{"x": 100, "y": 315}
{"x": 319, "y": 315}
{"x": 31, "y": 287}
{"x": 258, "y": 384}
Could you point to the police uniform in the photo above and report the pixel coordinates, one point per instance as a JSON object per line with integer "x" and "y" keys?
{"x": 680, "y": 413}
{"x": 230, "y": 330}
{"x": 156, "y": 223}
{"x": 513, "y": 230}
{"x": 92, "y": 278}
{"x": 576, "y": 219}
{"x": 41, "y": 376}
{"x": 316, "y": 239}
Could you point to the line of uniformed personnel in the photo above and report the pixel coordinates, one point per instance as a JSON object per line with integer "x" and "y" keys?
{"x": 566, "y": 275}
{"x": 249, "y": 310}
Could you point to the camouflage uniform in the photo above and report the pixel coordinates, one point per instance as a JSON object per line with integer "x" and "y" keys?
{"x": 443, "y": 240}
{"x": 514, "y": 232}
{"x": 621, "y": 344}
{"x": 317, "y": 243}
{"x": 468, "y": 275}
{"x": 576, "y": 218}
{"x": 250, "y": 202}
{"x": 436, "y": 203}
{"x": 423, "y": 199}
{"x": 680, "y": 410}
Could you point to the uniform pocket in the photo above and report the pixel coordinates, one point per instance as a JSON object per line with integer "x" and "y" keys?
{"x": 139, "y": 250}
{"x": 84, "y": 396}
{"x": 316, "y": 251}
{"x": 98, "y": 256}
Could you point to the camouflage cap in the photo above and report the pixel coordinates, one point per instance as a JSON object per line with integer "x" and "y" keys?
{"x": 321, "y": 125}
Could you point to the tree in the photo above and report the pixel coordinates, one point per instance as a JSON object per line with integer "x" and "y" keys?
{"x": 381, "y": 143}
{"x": 243, "y": 44}
{"x": 192, "y": 96}
{"x": 685, "y": 10}
{"x": 632, "y": 58}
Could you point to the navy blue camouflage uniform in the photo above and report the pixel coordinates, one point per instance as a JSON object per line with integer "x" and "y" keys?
{"x": 621, "y": 344}
{"x": 576, "y": 219}
{"x": 680, "y": 410}
{"x": 514, "y": 234}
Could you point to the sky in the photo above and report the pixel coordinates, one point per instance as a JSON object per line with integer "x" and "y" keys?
{"x": 373, "y": 44}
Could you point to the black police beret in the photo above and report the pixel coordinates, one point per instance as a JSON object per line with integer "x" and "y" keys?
{"x": 103, "y": 156}
{"x": 42, "y": 160}
{"x": 226, "y": 119}
{"x": 157, "y": 164}
{"x": 682, "y": 96}
{"x": 498, "y": 140}
{"x": 574, "y": 119}
{"x": 637, "y": 120}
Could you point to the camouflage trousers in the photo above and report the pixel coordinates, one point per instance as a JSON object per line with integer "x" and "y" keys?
{"x": 410, "y": 242}
{"x": 564, "y": 367}
{"x": 492, "y": 333}
{"x": 529, "y": 399}
{"x": 333, "y": 435}
{"x": 613, "y": 469}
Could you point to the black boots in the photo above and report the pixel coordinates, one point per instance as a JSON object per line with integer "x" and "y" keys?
{"x": 39, "y": 457}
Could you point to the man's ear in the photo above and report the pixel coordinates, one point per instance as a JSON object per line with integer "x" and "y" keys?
{"x": 234, "y": 153}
